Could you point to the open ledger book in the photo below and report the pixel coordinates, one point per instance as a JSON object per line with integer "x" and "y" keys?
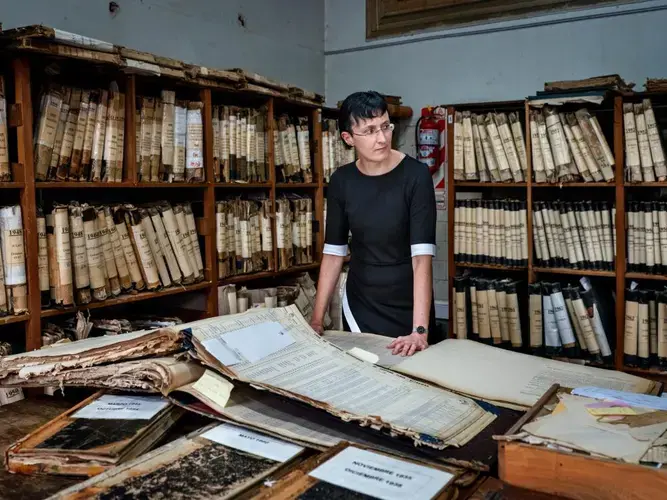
{"x": 502, "y": 377}
{"x": 275, "y": 349}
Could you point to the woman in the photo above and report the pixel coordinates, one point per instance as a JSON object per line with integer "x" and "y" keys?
{"x": 386, "y": 200}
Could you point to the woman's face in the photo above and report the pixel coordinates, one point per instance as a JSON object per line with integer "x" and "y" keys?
{"x": 371, "y": 138}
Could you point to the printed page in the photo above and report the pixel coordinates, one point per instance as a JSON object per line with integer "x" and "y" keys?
{"x": 376, "y": 344}
{"x": 315, "y": 371}
{"x": 495, "y": 374}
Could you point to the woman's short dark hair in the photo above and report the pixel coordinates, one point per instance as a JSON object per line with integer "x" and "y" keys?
{"x": 360, "y": 105}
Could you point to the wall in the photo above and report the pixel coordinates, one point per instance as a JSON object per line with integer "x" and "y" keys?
{"x": 492, "y": 62}
{"x": 281, "y": 39}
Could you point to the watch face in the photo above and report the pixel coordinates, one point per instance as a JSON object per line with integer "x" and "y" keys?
{"x": 421, "y": 329}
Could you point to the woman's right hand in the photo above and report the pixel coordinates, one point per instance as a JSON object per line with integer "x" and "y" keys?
{"x": 317, "y": 326}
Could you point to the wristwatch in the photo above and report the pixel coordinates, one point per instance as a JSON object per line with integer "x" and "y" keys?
{"x": 419, "y": 329}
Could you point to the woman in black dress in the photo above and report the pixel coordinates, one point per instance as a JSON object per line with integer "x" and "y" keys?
{"x": 387, "y": 201}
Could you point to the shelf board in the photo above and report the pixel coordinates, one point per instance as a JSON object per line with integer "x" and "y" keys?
{"x": 490, "y": 266}
{"x": 296, "y": 185}
{"x": 574, "y": 272}
{"x": 656, "y": 372}
{"x": 12, "y": 185}
{"x": 127, "y": 299}
{"x": 117, "y": 185}
{"x": 20, "y": 318}
{"x": 489, "y": 184}
{"x": 646, "y": 184}
{"x": 243, "y": 185}
{"x": 646, "y": 276}
{"x": 576, "y": 185}
{"x": 241, "y": 278}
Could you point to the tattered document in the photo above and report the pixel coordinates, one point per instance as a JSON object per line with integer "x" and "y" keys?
{"x": 502, "y": 376}
{"x": 89, "y": 352}
{"x": 162, "y": 375}
{"x": 195, "y": 466}
{"x": 368, "y": 342}
{"x": 313, "y": 371}
{"x": 99, "y": 433}
{"x": 576, "y": 428}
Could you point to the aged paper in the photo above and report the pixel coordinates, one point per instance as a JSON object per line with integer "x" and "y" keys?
{"x": 317, "y": 373}
{"x": 495, "y": 374}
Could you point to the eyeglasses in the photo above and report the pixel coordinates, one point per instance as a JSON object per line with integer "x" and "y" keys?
{"x": 385, "y": 128}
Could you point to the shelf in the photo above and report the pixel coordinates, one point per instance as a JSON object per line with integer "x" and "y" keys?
{"x": 489, "y": 184}
{"x": 574, "y": 272}
{"x": 243, "y": 185}
{"x": 490, "y": 266}
{"x": 127, "y": 299}
{"x": 241, "y": 278}
{"x": 117, "y": 185}
{"x": 576, "y": 185}
{"x": 296, "y": 185}
{"x": 646, "y": 276}
{"x": 12, "y": 185}
{"x": 20, "y": 318}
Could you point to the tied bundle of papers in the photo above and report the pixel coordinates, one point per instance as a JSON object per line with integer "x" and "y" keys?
{"x": 567, "y": 147}
{"x": 244, "y": 238}
{"x": 569, "y": 321}
{"x": 647, "y": 236}
{"x": 577, "y": 235}
{"x": 334, "y": 151}
{"x": 644, "y": 151}
{"x": 239, "y": 144}
{"x": 169, "y": 139}
{"x": 489, "y": 148}
{"x": 603, "y": 422}
{"x": 645, "y": 337}
{"x": 294, "y": 230}
{"x": 291, "y": 146}
{"x": 13, "y": 283}
{"x": 491, "y": 232}
{"x": 90, "y": 253}
{"x": 488, "y": 311}
{"x": 80, "y": 135}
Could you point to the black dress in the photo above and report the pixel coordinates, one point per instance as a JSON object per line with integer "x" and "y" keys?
{"x": 392, "y": 217}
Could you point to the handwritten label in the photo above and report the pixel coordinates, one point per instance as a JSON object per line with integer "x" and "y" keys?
{"x": 252, "y": 442}
{"x": 110, "y": 406}
{"x": 381, "y": 476}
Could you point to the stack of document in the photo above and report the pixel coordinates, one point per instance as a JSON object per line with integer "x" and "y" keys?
{"x": 22, "y": 369}
{"x": 613, "y": 424}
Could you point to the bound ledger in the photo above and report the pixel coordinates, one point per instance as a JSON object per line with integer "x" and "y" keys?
{"x": 218, "y": 461}
{"x": 99, "y": 433}
{"x": 276, "y": 349}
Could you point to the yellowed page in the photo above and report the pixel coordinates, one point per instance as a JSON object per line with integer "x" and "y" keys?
{"x": 486, "y": 372}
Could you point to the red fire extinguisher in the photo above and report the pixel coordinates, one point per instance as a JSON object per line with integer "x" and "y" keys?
{"x": 430, "y": 140}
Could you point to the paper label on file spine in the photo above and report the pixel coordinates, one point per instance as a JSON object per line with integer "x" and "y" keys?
{"x": 13, "y": 251}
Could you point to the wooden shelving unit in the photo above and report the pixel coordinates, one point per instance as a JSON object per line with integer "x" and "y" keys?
{"x": 527, "y": 190}
{"x": 27, "y": 52}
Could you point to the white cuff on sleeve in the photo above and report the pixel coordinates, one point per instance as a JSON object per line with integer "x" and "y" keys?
{"x": 422, "y": 249}
{"x": 338, "y": 250}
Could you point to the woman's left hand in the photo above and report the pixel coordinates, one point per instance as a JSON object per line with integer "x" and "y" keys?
{"x": 409, "y": 344}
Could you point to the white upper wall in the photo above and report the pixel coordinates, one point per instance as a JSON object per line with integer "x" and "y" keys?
{"x": 495, "y": 61}
{"x": 282, "y": 39}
